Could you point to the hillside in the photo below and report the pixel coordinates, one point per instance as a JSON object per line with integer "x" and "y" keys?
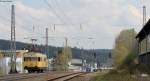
{"x": 102, "y": 55}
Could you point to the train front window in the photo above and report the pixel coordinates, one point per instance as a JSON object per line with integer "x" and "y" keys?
{"x": 31, "y": 58}
{"x": 27, "y": 58}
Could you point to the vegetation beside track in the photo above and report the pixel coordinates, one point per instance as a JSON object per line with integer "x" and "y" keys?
{"x": 115, "y": 76}
{"x": 125, "y": 59}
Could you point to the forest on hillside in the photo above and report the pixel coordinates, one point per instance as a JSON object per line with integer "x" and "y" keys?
{"x": 101, "y": 55}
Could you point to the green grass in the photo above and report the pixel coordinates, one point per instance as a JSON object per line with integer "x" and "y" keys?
{"x": 114, "y": 76}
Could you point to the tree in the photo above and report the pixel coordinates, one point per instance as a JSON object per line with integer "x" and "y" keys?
{"x": 62, "y": 59}
{"x": 125, "y": 47}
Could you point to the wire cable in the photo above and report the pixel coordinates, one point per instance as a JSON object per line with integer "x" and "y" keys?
{"x": 62, "y": 12}
{"x": 54, "y": 11}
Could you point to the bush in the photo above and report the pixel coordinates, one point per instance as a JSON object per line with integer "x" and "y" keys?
{"x": 115, "y": 75}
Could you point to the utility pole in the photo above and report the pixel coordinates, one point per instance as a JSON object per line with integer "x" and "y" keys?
{"x": 54, "y": 27}
{"x": 144, "y": 15}
{"x": 66, "y": 42}
{"x": 13, "y": 41}
{"x": 83, "y": 59}
{"x": 65, "y": 50}
{"x": 46, "y": 46}
{"x": 81, "y": 27}
{"x": 46, "y": 41}
{"x": 146, "y": 39}
{"x": 82, "y": 56}
{"x": 144, "y": 22}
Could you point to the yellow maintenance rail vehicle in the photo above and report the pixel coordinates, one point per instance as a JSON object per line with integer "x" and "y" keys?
{"x": 34, "y": 61}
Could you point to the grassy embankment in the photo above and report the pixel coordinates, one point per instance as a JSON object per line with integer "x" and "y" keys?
{"x": 114, "y": 76}
{"x": 124, "y": 72}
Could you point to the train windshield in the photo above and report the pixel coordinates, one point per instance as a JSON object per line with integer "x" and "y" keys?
{"x": 30, "y": 58}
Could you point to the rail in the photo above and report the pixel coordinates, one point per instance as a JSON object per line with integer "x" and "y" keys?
{"x": 49, "y": 76}
{"x": 67, "y": 77}
{"x": 18, "y": 77}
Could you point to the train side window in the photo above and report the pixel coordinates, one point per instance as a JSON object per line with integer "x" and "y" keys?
{"x": 27, "y": 59}
{"x": 34, "y": 59}
{"x": 39, "y": 59}
{"x": 30, "y": 59}
{"x": 24, "y": 58}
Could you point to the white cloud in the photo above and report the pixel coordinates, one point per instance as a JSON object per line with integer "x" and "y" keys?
{"x": 101, "y": 19}
{"x": 135, "y": 12}
{"x": 32, "y": 12}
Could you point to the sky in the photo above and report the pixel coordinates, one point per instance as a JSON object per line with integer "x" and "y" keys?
{"x": 85, "y": 23}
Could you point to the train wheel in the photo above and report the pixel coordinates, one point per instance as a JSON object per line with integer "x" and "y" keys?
{"x": 41, "y": 70}
{"x": 33, "y": 71}
{"x": 38, "y": 70}
{"x": 29, "y": 71}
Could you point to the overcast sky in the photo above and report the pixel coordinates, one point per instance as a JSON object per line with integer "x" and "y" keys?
{"x": 101, "y": 20}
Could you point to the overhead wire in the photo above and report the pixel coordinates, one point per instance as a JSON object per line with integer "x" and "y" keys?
{"x": 35, "y": 27}
{"x": 63, "y": 13}
{"x": 8, "y": 20}
{"x": 54, "y": 11}
{"x": 67, "y": 22}
{"x": 60, "y": 10}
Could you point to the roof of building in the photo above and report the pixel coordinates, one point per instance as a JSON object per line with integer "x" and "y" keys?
{"x": 144, "y": 32}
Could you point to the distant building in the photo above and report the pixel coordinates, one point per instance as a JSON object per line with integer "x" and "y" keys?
{"x": 6, "y": 57}
{"x": 143, "y": 38}
{"x": 75, "y": 65}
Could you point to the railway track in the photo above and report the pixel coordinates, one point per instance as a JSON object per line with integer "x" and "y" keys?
{"x": 67, "y": 77}
{"x": 82, "y": 74}
{"x": 19, "y": 77}
{"x": 49, "y": 76}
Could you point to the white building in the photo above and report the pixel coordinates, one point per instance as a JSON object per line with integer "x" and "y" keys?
{"x": 6, "y": 60}
{"x": 75, "y": 65}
